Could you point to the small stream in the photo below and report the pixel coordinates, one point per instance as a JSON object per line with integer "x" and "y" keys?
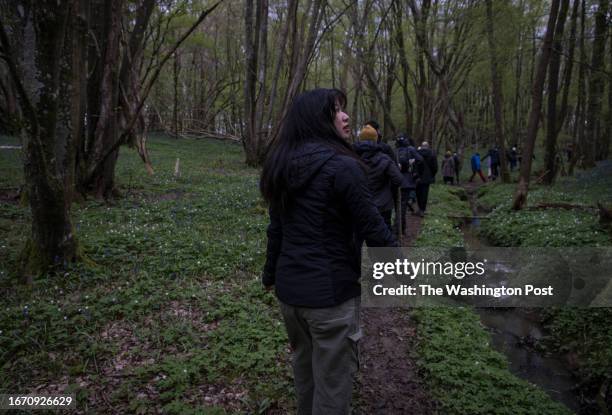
{"x": 515, "y": 331}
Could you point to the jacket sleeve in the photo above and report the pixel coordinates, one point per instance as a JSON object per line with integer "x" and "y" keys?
{"x": 351, "y": 185}
{"x": 420, "y": 162}
{"x": 275, "y": 237}
{"x": 395, "y": 177}
{"x": 416, "y": 155}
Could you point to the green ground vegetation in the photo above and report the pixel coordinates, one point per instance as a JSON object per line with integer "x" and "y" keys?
{"x": 540, "y": 225}
{"x": 171, "y": 313}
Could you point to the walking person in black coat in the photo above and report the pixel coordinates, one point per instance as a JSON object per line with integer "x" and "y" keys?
{"x": 493, "y": 156}
{"x": 513, "y": 158}
{"x": 320, "y": 204}
{"x": 384, "y": 177}
{"x": 430, "y": 168}
{"x": 411, "y": 164}
{"x": 457, "y": 166}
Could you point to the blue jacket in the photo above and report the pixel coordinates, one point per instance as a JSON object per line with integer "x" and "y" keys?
{"x": 475, "y": 162}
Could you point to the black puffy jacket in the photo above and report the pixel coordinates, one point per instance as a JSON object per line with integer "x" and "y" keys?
{"x": 410, "y": 171}
{"x": 430, "y": 164}
{"x": 494, "y": 154}
{"x": 383, "y": 174}
{"x": 312, "y": 257}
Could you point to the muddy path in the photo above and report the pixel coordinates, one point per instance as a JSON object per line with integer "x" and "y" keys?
{"x": 389, "y": 382}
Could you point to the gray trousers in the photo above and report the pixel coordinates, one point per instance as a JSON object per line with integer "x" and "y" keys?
{"x": 325, "y": 355}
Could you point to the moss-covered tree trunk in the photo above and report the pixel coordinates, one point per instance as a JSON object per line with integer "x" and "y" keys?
{"x": 52, "y": 241}
{"x": 48, "y": 83}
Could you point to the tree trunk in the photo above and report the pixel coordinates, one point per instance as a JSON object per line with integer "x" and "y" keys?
{"x": 409, "y": 110}
{"x": 302, "y": 59}
{"x": 596, "y": 86}
{"x": 420, "y": 129}
{"x": 105, "y": 148}
{"x": 251, "y": 138}
{"x": 302, "y": 39}
{"x": 497, "y": 96}
{"x": 176, "y": 70}
{"x": 10, "y": 118}
{"x": 550, "y": 156}
{"x": 569, "y": 65}
{"x": 262, "y": 38}
{"x": 608, "y": 137}
{"x": 520, "y": 196}
{"x": 516, "y": 113}
{"x": 107, "y": 132}
{"x": 51, "y": 105}
{"x": 578, "y": 133}
{"x": 281, "y": 46}
{"x": 103, "y": 93}
{"x": 129, "y": 78}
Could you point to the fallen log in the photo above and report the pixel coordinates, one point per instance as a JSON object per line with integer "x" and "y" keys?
{"x": 197, "y": 134}
{"x": 559, "y": 205}
{"x": 466, "y": 217}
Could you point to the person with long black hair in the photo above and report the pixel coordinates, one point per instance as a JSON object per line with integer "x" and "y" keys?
{"x": 319, "y": 205}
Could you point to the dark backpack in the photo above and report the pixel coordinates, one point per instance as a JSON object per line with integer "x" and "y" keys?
{"x": 404, "y": 157}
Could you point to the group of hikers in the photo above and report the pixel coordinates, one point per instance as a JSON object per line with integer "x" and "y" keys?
{"x": 327, "y": 196}
{"x": 412, "y": 169}
{"x": 493, "y": 156}
{"x": 399, "y": 178}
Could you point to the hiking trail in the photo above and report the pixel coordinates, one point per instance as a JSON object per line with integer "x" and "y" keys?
{"x": 389, "y": 382}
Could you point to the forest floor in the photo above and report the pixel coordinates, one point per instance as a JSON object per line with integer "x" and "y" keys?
{"x": 170, "y": 316}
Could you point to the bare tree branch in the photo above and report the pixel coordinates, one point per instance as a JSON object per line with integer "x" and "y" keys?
{"x": 147, "y": 89}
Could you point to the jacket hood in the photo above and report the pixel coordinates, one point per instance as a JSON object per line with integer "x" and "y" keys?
{"x": 306, "y": 163}
{"x": 371, "y": 153}
{"x": 365, "y": 148}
